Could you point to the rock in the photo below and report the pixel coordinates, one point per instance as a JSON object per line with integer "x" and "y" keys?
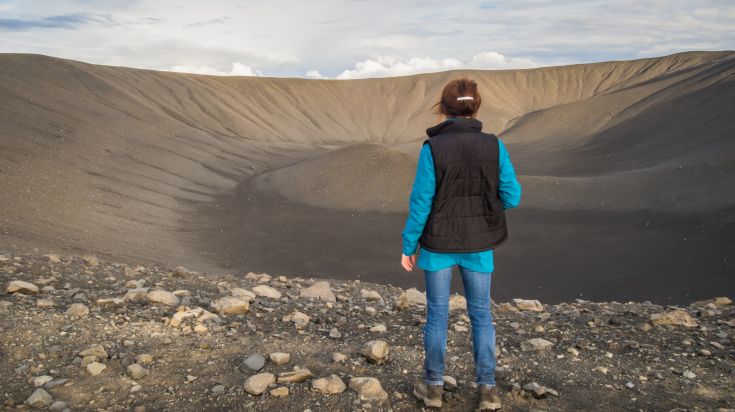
{"x": 299, "y": 319}
{"x": 163, "y": 297}
{"x": 339, "y": 357}
{"x": 218, "y": 390}
{"x": 91, "y": 260}
{"x": 368, "y": 389}
{"x": 267, "y": 291}
{"x": 676, "y": 317}
{"x": 535, "y": 344}
{"x": 53, "y": 258}
{"x": 136, "y": 371}
{"x": 295, "y": 376}
{"x": 722, "y": 301}
{"x": 281, "y": 391}
{"x": 688, "y": 374}
{"x": 136, "y": 295}
{"x": 181, "y": 272}
{"x": 718, "y": 302}
{"x": 257, "y": 384}
{"x": 59, "y": 406}
{"x": 378, "y": 328}
{"x": 529, "y": 305}
{"x": 457, "y": 302}
{"x": 39, "y": 399}
{"x": 507, "y": 308}
{"x": 42, "y": 380}
{"x": 77, "y": 310}
{"x": 200, "y": 329}
{"x": 96, "y": 350}
{"x": 254, "y": 362}
{"x": 331, "y": 385}
{"x": 230, "y": 305}
{"x": 376, "y": 351}
{"x": 144, "y": 359}
{"x": 415, "y": 298}
{"x": 450, "y": 384}
{"x": 259, "y": 278}
{"x": 335, "y": 333}
{"x": 243, "y": 294}
{"x": 600, "y": 369}
{"x": 371, "y": 295}
{"x": 22, "y": 287}
{"x": 280, "y": 358}
{"x": 95, "y": 368}
{"x": 539, "y": 391}
{"x": 319, "y": 290}
{"x": 45, "y": 303}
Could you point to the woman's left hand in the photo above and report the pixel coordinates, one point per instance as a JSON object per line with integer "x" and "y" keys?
{"x": 408, "y": 262}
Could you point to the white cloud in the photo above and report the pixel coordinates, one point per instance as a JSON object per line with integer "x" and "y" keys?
{"x": 495, "y": 60}
{"x": 384, "y": 66}
{"x": 314, "y": 74}
{"x": 238, "y": 69}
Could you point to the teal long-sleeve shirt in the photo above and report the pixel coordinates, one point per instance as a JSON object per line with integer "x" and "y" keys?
{"x": 422, "y": 197}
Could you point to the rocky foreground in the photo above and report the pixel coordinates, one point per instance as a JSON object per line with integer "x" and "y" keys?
{"x": 81, "y": 334}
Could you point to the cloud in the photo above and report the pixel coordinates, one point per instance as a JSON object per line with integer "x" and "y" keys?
{"x": 218, "y": 20}
{"x": 238, "y": 69}
{"x": 65, "y": 21}
{"x": 313, "y": 74}
{"x": 384, "y": 66}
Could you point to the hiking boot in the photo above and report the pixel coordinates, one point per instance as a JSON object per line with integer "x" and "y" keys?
{"x": 489, "y": 398}
{"x": 430, "y": 394}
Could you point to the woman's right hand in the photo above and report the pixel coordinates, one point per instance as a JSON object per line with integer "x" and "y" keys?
{"x": 408, "y": 262}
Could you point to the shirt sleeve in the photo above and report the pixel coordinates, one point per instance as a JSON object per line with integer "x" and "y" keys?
{"x": 422, "y": 197}
{"x": 508, "y": 186}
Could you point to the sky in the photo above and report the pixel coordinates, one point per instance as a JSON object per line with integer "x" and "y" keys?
{"x": 347, "y": 39}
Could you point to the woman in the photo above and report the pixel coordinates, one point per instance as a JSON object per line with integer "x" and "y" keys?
{"x": 464, "y": 182}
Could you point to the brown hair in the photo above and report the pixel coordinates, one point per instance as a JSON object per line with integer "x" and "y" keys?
{"x": 449, "y": 106}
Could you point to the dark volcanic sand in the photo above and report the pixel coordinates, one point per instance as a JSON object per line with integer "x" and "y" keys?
{"x": 552, "y": 256}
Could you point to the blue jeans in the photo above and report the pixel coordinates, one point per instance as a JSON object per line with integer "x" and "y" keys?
{"x": 477, "y": 292}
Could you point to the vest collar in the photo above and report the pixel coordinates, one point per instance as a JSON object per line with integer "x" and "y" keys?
{"x": 455, "y": 124}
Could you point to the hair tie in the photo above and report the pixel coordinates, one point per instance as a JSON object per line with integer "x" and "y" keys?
{"x": 465, "y": 98}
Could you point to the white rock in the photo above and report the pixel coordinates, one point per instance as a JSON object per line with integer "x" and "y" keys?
{"x": 136, "y": 371}
{"x": 376, "y": 351}
{"x": 22, "y": 287}
{"x": 528, "y": 304}
{"x": 368, "y": 388}
{"x": 319, "y": 290}
{"x": 535, "y": 344}
{"x": 267, "y": 291}
{"x": 457, "y": 302}
{"x": 95, "y": 368}
{"x": 39, "y": 399}
{"x": 163, "y": 297}
{"x": 137, "y": 294}
{"x": 280, "y": 358}
{"x": 370, "y": 295}
{"x": 230, "y": 305}
{"x": 77, "y": 310}
{"x": 243, "y": 294}
{"x": 257, "y": 384}
{"x": 331, "y": 385}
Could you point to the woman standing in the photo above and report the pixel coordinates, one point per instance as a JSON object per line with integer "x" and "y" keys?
{"x": 464, "y": 182}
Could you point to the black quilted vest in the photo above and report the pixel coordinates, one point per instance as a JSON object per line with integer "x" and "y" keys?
{"x": 467, "y": 214}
